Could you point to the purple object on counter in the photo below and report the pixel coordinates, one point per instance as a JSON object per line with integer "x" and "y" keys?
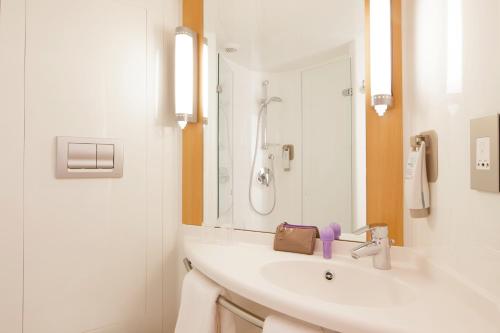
{"x": 327, "y": 236}
{"x": 336, "y": 230}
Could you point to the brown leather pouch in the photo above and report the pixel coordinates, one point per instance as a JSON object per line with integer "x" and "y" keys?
{"x": 295, "y": 238}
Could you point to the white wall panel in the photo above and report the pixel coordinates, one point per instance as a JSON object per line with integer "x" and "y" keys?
{"x": 452, "y": 74}
{"x": 94, "y": 247}
{"x": 11, "y": 163}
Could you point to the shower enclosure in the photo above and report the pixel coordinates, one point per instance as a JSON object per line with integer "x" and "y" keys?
{"x": 261, "y": 113}
{"x": 225, "y": 144}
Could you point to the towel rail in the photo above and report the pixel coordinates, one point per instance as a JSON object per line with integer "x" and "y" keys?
{"x": 231, "y": 307}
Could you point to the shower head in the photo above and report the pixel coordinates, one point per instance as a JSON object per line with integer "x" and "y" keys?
{"x": 272, "y": 99}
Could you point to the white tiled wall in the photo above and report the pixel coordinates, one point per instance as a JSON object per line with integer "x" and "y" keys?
{"x": 98, "y": 253}
{"x": 452, "y": 74}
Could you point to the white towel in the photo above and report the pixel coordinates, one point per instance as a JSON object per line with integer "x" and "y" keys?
{"x": 225, "y": 321}
{"x": 199, "y": 312}
{"x": 282, "y": 324}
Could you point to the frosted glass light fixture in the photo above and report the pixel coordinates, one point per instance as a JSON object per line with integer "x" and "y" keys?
{"x": 204, "y": 81}
{"x": 380, "y": 55}
{"x": 186, "y": 68}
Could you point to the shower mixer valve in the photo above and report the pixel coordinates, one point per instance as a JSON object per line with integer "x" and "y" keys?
{"x": 264, "y": 176}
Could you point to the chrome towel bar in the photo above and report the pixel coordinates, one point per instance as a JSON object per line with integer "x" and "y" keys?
{"x": 230, "y": 306}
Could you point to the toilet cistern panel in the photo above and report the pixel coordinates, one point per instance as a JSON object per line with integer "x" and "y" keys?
{"x": 89, "y": 158}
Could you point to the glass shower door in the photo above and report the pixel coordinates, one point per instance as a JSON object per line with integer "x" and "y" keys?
{"x": 225, "y": 138}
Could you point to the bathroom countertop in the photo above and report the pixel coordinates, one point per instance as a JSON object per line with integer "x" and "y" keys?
{"x": 441, "y": 302}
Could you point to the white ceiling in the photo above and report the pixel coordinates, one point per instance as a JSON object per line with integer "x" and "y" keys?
{"x": 274, "y": 33}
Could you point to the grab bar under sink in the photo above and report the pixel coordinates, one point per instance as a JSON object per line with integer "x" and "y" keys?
{"x": 231, "y": 307}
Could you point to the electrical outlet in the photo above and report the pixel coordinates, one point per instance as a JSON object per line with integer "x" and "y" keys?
{"x": 484, "y": 153}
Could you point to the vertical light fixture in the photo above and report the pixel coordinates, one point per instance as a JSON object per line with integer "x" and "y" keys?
{"x": 186, "y": 68}
{"x": 381, "y": 55}
{"x": 204, "y": 80}
{"x": 454, "y": 54}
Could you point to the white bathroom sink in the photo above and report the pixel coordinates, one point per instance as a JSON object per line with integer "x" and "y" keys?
{"x": 414, "y": 296}
{"x": 349, "y": 285}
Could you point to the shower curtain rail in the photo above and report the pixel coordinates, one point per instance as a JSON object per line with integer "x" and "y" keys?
{"x": 231, "y": 307}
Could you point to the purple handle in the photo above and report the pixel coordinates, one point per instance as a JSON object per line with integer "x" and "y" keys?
{"x": 327, "y": 249}
{"x": 336, "y": 230}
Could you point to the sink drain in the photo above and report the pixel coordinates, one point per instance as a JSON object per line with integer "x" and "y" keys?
{"x": 329, "y": 275}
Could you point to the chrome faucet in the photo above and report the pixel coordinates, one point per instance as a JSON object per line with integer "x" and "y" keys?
{"x": 379, "y": 247}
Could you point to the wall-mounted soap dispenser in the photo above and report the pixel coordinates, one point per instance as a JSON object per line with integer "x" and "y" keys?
{"x": 421, "y": 169}
{"x": 484, "y": 153}
{"x": 287, "y": 156}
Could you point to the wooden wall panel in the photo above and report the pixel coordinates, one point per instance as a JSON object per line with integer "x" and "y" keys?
{"x": 192, "y": 135}
{"x": 384, "y": 141}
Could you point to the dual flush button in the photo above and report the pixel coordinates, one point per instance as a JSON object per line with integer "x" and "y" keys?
{"x": 89, "y": 158}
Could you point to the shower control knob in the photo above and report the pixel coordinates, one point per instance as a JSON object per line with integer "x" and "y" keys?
{"x": 264, "y": 176}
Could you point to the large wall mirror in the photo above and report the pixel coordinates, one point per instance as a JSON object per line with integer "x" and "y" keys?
{"x": 285, "y": 114}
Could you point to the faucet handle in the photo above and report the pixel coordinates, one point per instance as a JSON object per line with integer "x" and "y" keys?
{"x": 378, "y": 230}
{"x": 362, "y": 230}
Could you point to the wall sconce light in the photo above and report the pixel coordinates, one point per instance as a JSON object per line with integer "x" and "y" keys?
{"x": 186, "y": 73}
{"x": 381, "y": 55}
{"x": 204, "y": 81}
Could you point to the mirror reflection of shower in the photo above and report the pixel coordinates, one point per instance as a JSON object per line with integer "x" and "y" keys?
{"x": 264, "y": 175}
